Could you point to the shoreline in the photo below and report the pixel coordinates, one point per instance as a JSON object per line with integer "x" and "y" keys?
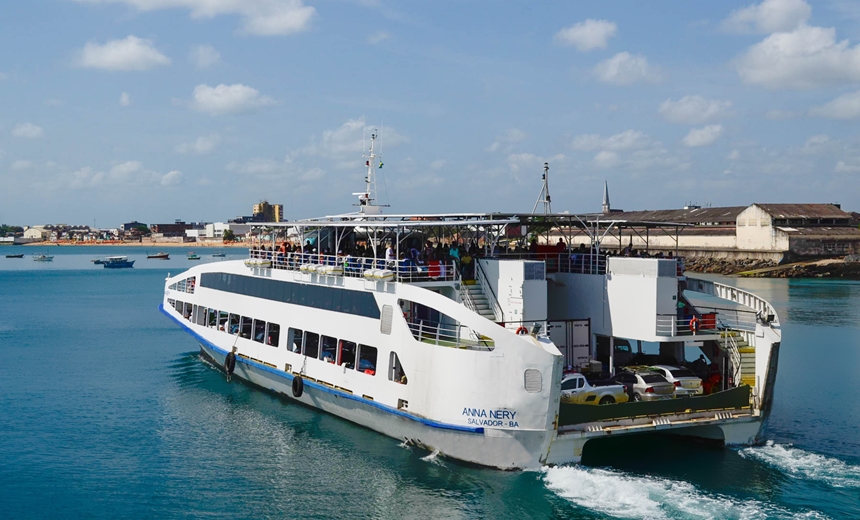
{"x": 151, "y": 245}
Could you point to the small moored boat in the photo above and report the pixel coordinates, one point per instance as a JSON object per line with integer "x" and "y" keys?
{"x": 159, "y": 256}
{"x": 218, "y": 255}
{"x": 193, "y": 256}
{"x": 42, "y": 258}
{"x": 117, "y": 262}
{"x": 19, "y": 255}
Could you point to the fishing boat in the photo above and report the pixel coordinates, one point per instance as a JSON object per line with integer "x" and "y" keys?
{"x": 98, "y": 261}
{"x": 43, "y": 258}
{"x": 159, "y": 256}
{"x": 117, "y": 262}
{"x": 19, "y": 255}
{"x": 364, "y": 317}
{"x": 218, "y": 255}
{"x": 193, "y": 256}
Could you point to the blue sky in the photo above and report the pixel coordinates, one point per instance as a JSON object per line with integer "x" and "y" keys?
{"x": 155, "y": 110}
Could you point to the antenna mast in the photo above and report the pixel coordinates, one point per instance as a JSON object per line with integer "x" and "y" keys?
{"x": 367, "y": 198}
{"x": 543, "y": 197}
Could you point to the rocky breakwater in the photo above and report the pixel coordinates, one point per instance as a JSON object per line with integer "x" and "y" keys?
{"x": 848, "y": 267}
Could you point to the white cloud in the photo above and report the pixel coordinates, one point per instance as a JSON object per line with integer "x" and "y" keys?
{"x": 605, "y": 160}
{"x": 124, "y": 99}
{"x": 203, "y": 56}
{"x": 846, "y": 106}
{"x": 438, "y": 164}
{"x": 779, "y": 115}
{"x": 260, "y": 17}
{"x": 377, "y": 37}
{"x": 347, "y": 142}
{"x": 511, "y": 136}
{"x": 626, "y": 140}
{"x": 28, "y": 131}
{"x": 171, "y": 178}
{"x": 768, "y": 17}
{"x": 805, "y": 58}
{"x": 734, "y": 155}
{"x": 270, "y": 169}
{"x": 21, "y": 165}
{"x": 587, "y": 35}
{"x": 201, "y": 146}
{"x": 132, "y": 53}
{"x": 693, "y": 110}
{"x": 844, "y": 167}
{"x": 225, "y": 99}
{"x": 702, "y": 136}
{"x": 817, "y": 144}
{"x": 625, "y": 68}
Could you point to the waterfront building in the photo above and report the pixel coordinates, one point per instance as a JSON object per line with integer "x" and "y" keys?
{"x": 269, "y": 212}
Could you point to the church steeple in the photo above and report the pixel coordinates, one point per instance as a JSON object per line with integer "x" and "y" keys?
{"x": 606, "y": 207}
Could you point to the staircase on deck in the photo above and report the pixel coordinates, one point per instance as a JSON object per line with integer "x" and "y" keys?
{"x": 742, "y": 353}
{"x": 477, "y": 301}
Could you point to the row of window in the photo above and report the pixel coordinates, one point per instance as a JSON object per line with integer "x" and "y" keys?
{"x": 348, "y": 354}
{"x": 186, "y": 285}
{"x": 244, "y": 326}
{"x": 320, "y": 297}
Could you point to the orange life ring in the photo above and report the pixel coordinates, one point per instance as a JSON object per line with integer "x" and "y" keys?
{"x": 522, "y": 331}
{"x": 694, "y": 324}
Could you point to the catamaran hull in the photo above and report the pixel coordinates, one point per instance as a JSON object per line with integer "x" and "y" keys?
{"x": 501, "y": 449}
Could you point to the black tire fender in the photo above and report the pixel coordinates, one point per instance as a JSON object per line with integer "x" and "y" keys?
{"x": 298, "y": 386}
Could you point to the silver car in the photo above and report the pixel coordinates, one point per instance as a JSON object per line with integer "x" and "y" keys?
{"x": 645, "y": 386}
{"x": 685, "y": 381}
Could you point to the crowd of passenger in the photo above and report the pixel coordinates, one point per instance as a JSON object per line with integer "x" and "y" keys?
{"x": 438, "y": 259}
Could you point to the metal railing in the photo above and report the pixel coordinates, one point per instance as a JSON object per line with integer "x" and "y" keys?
{"x": 356, "y": 267}
{"x": 764, "y": 311}
{"x": 671, "y": 325}
{"x": 731, "y": 344}
{"x": 448, "y": 335}
{"x": 577, "y": 263}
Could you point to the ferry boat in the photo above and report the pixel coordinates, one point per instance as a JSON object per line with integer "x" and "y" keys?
{"x": 465, "y": 356}
{"x": 117, "y": 262}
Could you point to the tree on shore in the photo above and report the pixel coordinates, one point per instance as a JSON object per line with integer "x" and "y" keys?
{"x": 229, "y": 236}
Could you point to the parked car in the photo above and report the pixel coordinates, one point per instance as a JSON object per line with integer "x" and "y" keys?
{"x": 645, "y": 385}
{"x": 576, "y": 389}
{"x": 685, "y": 381}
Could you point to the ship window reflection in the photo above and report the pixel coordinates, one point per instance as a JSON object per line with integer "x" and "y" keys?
{"x": 346, "y": 356}
{"x": 294, "y": 340}
{"x": 329, "y": 349}
{"x": 234, "y": 323}
{"x": 273, "y": 335}
{"x": 312, "y": 344}
{"x": 367, "y": 359}
{"x": 245, "y": 327}
{"x": 259, "y": 331}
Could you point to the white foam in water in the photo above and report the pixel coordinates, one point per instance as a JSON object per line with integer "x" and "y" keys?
{"x": 433, "y": 457}
{"x": 629, "y": 496}
{"x": 803, "y": 464}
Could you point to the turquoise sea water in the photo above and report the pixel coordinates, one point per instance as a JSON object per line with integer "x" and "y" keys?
{"x": 107, "y": 412}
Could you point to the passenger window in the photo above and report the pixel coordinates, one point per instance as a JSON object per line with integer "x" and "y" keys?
{"x": 245, "y": 327}
{"x": 294, "y": 340}
{"x": 347, "y": 354}
{"x": 222, "y": 320}
{"x": 234, "y": 324}
{"x": 367, "y": 359}
{"x": 259, "y": 331}
{"x": 395, "y": 369}
{"x": 212, "y": 319}
{"x": 312, "y": 344}
{"x": 179, "y": 306}
{"x": 329, "y": 349}
{"x": 187, "y": 312}
{"x": 273, "y": 335}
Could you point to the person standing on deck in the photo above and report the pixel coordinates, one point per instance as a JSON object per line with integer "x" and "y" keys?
{"x": 230, "y": 363}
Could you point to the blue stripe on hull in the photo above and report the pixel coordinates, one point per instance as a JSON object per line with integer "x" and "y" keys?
{"x": 322, "y": 388}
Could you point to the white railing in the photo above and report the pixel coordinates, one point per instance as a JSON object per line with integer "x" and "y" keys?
{"x": 357, "y": 267}
{"x": 764, "y": 311}
{"x": 731, "y": 345}
{"x": 577, "y": 263}
{"x": 447, "y": 335}
{"x": 671, "y": 325}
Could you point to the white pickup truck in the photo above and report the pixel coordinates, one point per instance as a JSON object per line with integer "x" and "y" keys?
{"x": 575, "y": 389}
